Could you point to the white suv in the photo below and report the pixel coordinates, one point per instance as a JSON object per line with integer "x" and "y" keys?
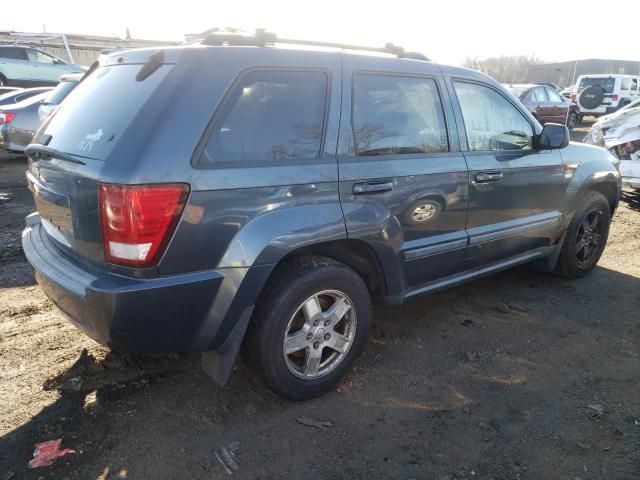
{"x": 599, "y": 95}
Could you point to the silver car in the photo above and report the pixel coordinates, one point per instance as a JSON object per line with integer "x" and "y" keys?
{"x": 22, "y": 66}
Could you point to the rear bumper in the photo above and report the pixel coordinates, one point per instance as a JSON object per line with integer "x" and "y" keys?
{"x": 180, "y": 313}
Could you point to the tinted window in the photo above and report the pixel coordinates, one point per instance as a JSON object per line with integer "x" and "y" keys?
{"x": 553, "y": 95}
{"x": 14, "y": 53}
{"x": 96, "y": 113}
{"x": 538, "y": 95}
{"x": 634, "y": 84}
{"x": 396, "y": 115}
{"x": 60, "y": 92}
{"x": 270, "y": 116}
{"x": 40, "y": 57}
{"x": 608, "y": 84}
{"x": 491, "y": 121}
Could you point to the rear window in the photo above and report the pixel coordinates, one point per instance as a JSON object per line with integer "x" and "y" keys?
{"x": 97, "y": 112}
{"x": 59, "y": 93}
{"x": 608, "y": 84}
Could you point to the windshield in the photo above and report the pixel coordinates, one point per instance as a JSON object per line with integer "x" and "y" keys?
{"x": 97, "y": 112}
{"x": 608, "y": 84}
{"x": 59, "y": 93}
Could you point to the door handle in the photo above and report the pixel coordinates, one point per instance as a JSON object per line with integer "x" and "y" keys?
{"x": 488, "y": 177}
{"x": 362, "y": 188}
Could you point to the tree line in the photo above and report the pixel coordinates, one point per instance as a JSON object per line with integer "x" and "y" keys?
{"x": 505, "y": 68}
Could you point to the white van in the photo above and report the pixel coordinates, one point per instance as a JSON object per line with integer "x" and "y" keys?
{"x": 599, "y": 95}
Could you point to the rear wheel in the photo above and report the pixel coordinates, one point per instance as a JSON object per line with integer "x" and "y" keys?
{"x": 586, "y": 237}
{"x": 3, "y": 81}
{"x": 309, "y": 326}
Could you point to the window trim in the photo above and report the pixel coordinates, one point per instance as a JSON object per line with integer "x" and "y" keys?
{"x": 462, "y": 129}
{"x": 196, "y": 159}
{"x": 352, "y": 143}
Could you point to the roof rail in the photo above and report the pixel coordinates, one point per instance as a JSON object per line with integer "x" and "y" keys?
{"x": 262, "y": 38}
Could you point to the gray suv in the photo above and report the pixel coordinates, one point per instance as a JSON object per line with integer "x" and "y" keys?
{"x": 243, "y": 192}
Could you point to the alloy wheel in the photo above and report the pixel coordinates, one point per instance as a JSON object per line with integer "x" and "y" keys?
{"x": 588, "y": 238}
{"x": 319, "y": 334}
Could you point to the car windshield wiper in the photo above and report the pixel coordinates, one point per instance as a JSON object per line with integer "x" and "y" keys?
{"x": 43, "y": 152}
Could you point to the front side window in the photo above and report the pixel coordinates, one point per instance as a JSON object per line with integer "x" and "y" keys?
{"x": 270, "y": 116}
{"x": 554, "y": 96}
{"x": 397, "y": 115}
{"x": 491, "y": 121}
{"x": 40, "y": 57}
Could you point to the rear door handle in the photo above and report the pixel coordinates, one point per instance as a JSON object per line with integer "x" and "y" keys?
{"x": 381, "y": 186}
{"x": 488, "y": 177}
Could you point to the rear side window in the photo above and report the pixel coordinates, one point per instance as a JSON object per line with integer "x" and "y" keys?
{"x": 14, "y": 53}
{"x": 625, "y": 84}
{"x": 634, "y": 84}
{"x": 397, "y": 115}
{"x": 539, "y": 95}
{"x": 59, "y": 93}
{"x": 491, "y": 121}
{"x": 270, "y": 116}
{"x": 97, "y": 112}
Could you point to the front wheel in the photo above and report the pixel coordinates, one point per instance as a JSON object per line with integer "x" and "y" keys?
{"x": 310, "y": 325}
{"x": 586, "y": 237}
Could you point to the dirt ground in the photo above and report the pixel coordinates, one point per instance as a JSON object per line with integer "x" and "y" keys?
{"x": 520, "y": 375}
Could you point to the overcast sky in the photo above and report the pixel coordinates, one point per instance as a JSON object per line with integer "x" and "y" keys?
{"x": 447, "y": 31}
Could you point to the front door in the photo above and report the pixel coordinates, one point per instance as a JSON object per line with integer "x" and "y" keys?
{"x": 515, "y": 191}
{"x": 559, "y": 107}
{"x": 403, "y": 184}
{"x": 44, "y": 68}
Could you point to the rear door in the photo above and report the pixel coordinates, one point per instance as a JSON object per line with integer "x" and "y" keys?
{"x": 515, "y": 191}
{"x": 559, "y": 108}
{"x": 403, "y": 183}
{"x": 15, "y": 64}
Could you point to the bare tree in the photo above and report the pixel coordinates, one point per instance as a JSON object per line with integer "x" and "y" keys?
{"x": 505, "y": 68}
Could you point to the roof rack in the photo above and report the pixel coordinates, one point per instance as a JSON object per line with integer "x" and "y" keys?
{"x": 262, "y": 38}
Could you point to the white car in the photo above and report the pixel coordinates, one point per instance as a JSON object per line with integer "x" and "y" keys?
{"x": 620, "y": 133}
{"x": 599, "y": 95}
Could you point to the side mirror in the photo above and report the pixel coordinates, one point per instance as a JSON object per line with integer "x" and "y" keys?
{"x": 553, "y": 136}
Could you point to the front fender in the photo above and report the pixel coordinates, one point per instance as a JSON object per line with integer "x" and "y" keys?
{"x": 586, "y": 166}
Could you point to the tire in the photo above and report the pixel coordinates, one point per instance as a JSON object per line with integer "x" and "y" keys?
{"x": 3, "y": 81}
{"x": 572, "y": 121}
{"x": 579, "y": 254}
{"x": 591, "y": 97}
{"x": 280, "y": 313}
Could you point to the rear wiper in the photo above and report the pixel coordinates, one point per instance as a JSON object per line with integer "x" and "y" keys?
{"x": 43, "y": 152}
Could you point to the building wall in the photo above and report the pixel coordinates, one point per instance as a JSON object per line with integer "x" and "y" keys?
{"x": 565, "y": 73}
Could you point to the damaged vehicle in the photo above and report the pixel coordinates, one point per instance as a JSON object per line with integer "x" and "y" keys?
{"x": 290, "y": 187}
{"x": 620, "y": 134}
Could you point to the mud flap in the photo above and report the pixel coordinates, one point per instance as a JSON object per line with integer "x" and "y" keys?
{"x": 548, "y": 264}
{"x": 217, "y": 364}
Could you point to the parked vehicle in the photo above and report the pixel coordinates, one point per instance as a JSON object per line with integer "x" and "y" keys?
{"x": 18, "y": 123}
{"x": 22, "y": 66}
{"x": 620, "y": 133}
{"x": 58, "y": 94}
{"x": 546, "y": 104}
{"x": 4, "y": 90}
{"x": 285, "y": 191}
{"x": 20, "y": 94}
{"x": 598, "y": 95}
{"x": 567, "y": 92}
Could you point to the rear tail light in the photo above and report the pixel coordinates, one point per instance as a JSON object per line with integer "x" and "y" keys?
{"x": 612, "y": 97}
{"x": 6, "y": 117}
{"x": 573, "y": 96}
{"x": 138, "y": 221}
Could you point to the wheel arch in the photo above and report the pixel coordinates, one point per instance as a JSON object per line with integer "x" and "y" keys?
{"x": 609, "y": 190}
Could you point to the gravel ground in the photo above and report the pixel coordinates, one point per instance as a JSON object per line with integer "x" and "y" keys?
{"x": 520, "y": 375}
